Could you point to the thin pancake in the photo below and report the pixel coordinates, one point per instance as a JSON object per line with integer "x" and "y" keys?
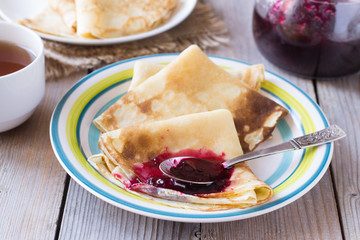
{"x": 100, "y": 18}
{"x": 67, "y": 10}
{"x": 51, "y": 21}
{"x": 252, "y": 75}
{"x": 99, "y": 162}
{"x": 215, "y": 130}
{"x": 192, "y": 83}
{"x": 109, "y": 19}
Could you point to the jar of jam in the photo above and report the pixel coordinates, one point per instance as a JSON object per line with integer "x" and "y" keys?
{"x": 314, "y": 38}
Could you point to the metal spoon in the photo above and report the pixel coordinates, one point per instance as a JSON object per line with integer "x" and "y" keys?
{"x": 326, "y": 135}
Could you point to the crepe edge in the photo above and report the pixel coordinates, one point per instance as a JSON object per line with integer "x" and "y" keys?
{"x": 263, "y": 193}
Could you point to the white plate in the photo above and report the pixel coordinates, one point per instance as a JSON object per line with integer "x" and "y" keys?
{"x": 292, "y": 174}
{"x": 14, "y": 10}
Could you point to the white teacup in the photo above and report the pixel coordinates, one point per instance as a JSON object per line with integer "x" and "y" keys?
{"x": 21, "y": 91}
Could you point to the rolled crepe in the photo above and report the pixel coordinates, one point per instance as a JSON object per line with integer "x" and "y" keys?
{"x": 56, "y": 18}
{"x": 109, "y": 18}
{"x": 67, "y": 11}
{"x": 100, "y": 18}
{"x": 252, "y": 75}
{"x": 192, "y": 83}
{"x": 215, "y": 131}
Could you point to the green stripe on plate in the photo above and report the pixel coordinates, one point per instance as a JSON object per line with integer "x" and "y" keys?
{"x": 309, "y": 127}
{"x": 72, "y": 122}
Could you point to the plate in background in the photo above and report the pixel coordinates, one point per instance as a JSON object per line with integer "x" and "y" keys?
{"x": 11, "y": 12}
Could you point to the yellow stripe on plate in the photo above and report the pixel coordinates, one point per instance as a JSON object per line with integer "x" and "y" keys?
{"x": 72, "y": 122}
{"x": 308, "y": 125}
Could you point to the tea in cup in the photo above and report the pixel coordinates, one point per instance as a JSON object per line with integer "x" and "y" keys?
{"x": 22, "y": 74}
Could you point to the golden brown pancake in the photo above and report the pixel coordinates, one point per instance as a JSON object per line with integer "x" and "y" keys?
{"x": 215, "y": 131}
{"x": 252, "y": 75}
{"x": 67, "y": 11}
{"x": 100, "y": 18}
{"x": 192, "y": 83}
{"x": 54, "y": 19}
{"x": 108, "y": 18}
{"x": 142, "y": 71}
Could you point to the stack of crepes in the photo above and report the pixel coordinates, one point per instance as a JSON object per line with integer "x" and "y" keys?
{"x": 191, "y": 103}
{"x": 100, "y": 18}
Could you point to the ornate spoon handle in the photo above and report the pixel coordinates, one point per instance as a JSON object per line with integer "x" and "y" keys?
{"x": 326, "y": 135}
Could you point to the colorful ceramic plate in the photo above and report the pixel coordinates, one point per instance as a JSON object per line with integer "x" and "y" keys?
{"x": 11, "y": 12}
{"x": 291, "y": 174}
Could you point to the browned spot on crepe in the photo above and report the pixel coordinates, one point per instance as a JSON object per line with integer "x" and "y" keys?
{"x": 252, "y": 111}
{"x": 129, "y": 151}
{"x": 145, "y": 106}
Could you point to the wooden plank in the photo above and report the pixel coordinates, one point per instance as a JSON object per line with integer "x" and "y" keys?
{"x": 314, "y": 216}
{"x": 310, "y": 217}
{"x": 340, "y": 99}
{"x": 31, "y": 179}
{"x": 88, "y": 217}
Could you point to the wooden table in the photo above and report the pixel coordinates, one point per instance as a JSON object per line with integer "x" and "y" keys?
{"x": 38, "y": 200}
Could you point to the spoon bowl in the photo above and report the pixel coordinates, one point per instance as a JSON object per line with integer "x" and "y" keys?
{"x": 168, "y": 165}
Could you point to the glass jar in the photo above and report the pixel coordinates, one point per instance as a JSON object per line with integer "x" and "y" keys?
{"x": 318, "y": 38}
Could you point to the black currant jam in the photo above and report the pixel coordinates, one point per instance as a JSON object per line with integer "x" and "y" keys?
{"x": 150, "y": 173}
{"x": 199, "y": 170}
{"x": 310, "y": 37}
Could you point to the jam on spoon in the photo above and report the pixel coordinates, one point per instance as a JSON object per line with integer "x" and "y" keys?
{"x": 199, "y": 170}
